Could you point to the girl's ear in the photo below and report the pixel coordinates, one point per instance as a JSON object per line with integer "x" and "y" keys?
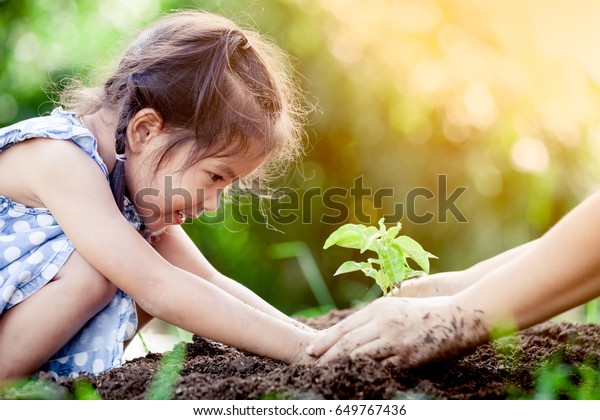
{"x": 145, "y": 125}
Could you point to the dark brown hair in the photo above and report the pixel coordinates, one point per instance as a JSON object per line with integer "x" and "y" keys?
{"x": 214, "y": 84}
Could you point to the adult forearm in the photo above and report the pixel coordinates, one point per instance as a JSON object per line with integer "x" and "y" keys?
{"x": 452, "y": 282}
{"x": 479, "y": 270}
{"x": 522, "y": 295}
{"x": 558, "y": 272}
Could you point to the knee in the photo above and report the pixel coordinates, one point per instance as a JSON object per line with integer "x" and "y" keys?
{"x": 99, "y": 289}
{"x": 85, "y": 282}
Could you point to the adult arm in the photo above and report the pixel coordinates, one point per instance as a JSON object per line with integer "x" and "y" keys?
{"x": 451, "y": 282}
{"x": 559, "y": 271}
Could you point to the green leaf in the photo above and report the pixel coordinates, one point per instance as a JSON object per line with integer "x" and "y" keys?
{"x": 384, "y": 282}
{"x": 347, "y": 236}
{"x": 165, "y": 379}
{"x": 414, "y": 251}
{"x": 84, "y": 390}
{"x": 369, "y": 238}
{"x": 393, "y": 232}
{"x": 369, "y": 271}
{"x": 392, "y": 253}
{"x": 393, "y": 262}
{"x": 382, "y": 227}
{"x": 413, "y": 274}
{"x": 348, "y": 267}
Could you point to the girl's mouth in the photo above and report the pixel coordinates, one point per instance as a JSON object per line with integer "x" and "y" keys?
{"x": 180, "y": 217}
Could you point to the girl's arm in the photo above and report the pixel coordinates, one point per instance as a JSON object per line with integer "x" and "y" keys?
{"x": 80, "y": 199}
{"x": 559, "y": 271}
{"x": 176, "y": 247}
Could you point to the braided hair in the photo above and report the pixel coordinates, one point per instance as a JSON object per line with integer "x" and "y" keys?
{"x": 219, "y": 87}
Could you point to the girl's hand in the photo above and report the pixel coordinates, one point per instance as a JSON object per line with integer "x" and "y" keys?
{"x": 407, "y": 332}
{"x": 302, "y": 357}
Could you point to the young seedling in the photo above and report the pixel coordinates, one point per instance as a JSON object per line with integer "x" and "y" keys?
{"x": 390, "y": 268}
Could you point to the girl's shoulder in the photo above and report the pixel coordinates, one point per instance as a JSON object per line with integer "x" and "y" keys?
{"x": 61, "y": 125}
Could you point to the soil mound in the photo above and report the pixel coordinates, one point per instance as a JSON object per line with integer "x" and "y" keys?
{"x": 513, "y": 367}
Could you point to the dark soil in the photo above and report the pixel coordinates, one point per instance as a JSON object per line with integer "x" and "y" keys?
{"x": 508, "y": 369}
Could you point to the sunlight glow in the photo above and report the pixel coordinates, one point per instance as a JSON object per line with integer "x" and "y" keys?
{"x": 480, "y": 64}
{"x": 529, "y": 155}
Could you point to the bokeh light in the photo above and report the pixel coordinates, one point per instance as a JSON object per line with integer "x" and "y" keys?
{"x": 501, "y": 97}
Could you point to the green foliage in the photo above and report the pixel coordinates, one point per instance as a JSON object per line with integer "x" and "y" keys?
{"x": 591, "y": 311}
{"x": 34, "y": 388}
{"x": 391, "y": 267}
{"x": 164, "y": 382}
{"x": 276, "y": 394}
{"x": 309, "y": 269}
{"x": 420, "y": 95}
{"x": 313, "y": 312}
{"x": 144, "y": 345}
{"x": 83, "y": 390}
{"x": 556, "y": 380}
{"x": 506, "y": 341}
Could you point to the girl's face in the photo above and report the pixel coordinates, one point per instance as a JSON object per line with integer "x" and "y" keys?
{"x": 169, "y": 195}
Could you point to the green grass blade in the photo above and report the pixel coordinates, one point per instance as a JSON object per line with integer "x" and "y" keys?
{"x": 164, "y": 382}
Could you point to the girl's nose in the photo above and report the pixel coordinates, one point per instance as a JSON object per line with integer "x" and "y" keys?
{"x": 211, "y": 203}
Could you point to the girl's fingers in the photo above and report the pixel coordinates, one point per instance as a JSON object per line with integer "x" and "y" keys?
{"x": 332, "y": 335}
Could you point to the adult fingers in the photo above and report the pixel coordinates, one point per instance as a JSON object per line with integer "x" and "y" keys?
{"x": 376, "y": 349}
{"x": 334, "y": 334}
{"x": 404, "y": 360}
{"x": 389, "y": 354}
{"x": 414, "y": 288}
{"x": 349, "y": 342}
{"x": 395, "y": 360}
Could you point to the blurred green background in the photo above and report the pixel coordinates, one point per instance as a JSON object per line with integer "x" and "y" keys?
{"x": 501, "y": 97}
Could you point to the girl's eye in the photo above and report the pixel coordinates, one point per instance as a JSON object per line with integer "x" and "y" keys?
{"x": 215, "y": 177}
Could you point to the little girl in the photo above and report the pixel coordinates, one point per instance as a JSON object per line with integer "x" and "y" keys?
{"x": 91, "y": 245}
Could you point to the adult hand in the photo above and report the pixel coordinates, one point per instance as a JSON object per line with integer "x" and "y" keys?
{"x": 403, "y": 331}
